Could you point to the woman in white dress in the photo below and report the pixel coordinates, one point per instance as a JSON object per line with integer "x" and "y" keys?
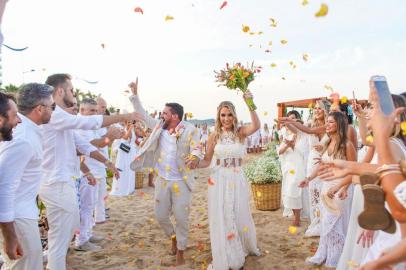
{"x": 317, "y": 137}
{"x": 232, "y": 229}
{"x": 265, "y": 136}
{"x": 332, "y": 207}
{"x": 293, "y": 170}
{"x": 126, "y": 184}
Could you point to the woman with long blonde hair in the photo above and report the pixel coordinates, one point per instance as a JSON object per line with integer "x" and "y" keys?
{"x": 232, "y": 229}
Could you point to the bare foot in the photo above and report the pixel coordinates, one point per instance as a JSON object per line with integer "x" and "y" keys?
{"x": 174, "y": 248}
{"x": 179, "y": 258}
{"x": 296, "y": 223}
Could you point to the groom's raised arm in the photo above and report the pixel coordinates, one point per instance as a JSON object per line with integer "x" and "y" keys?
{"x": 135, "y": 101}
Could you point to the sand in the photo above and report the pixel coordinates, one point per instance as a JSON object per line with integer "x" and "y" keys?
{"x": 134, "y": 239}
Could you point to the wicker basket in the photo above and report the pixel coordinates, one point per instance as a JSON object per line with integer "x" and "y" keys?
{"x": 267, "y": 196}
{"x": 139, "y": 180}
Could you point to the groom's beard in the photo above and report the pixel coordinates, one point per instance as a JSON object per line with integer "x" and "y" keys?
{"x": 67, "y": 102}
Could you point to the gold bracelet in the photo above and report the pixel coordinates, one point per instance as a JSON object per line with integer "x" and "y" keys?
{"x": 389, "y": 173}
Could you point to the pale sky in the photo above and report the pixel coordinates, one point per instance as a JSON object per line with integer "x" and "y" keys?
{"x": 174, "y": 60}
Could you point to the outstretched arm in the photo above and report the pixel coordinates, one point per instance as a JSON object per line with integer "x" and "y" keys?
{"x": 135, "y": 101}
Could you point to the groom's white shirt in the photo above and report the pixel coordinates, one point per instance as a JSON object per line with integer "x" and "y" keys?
{"x": 186, "y": 138}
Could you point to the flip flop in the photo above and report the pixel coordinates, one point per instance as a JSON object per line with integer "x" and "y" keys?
{"x": 374, "y": 216}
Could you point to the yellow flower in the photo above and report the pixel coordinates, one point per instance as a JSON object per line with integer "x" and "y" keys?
{"x": 344, "y": 100}
{"x": 169, "y": 17}
{"x": 403, "y": 125}
{"x": 292, "y": 171}
{"x": 245, "y": 28}
{"x": 246, "y": 74}
{"x": 370, "y": 139}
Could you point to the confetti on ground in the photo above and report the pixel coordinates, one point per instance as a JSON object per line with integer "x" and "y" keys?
{"x": 322, "y": 11}
{"x": 169, "y": 18}
{"x": 139, "y": 10}
{"x": 223, "y": 5}
{"x": 292, "y": 230}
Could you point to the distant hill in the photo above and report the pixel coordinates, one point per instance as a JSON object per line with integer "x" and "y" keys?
{"x": 209, "y": 122}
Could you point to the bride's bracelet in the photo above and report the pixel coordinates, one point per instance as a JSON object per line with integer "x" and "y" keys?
{"x": 388, "y": 169}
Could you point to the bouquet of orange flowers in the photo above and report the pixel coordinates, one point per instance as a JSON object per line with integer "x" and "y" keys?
{"x": 238, "y": 77}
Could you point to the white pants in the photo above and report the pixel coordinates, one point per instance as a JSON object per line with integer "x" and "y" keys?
{"x": 101, "y": 193}
{"x": 28, "y": 234}
{"x": 173, "y": 197}
{"x": 87, "y": 204}
{"x": 63, "y": 219}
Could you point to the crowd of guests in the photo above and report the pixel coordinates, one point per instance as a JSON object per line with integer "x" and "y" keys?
{"x": 352, "y": 189}
{"x": 347, "y": 179}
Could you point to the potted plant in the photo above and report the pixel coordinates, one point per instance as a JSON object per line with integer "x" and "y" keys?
{"x": 265, "y": 175}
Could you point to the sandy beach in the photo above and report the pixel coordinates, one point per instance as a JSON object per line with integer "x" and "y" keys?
{"x": 134, "y": 239}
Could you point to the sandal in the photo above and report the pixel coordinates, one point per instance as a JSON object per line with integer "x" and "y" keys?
{"x": 375, "y": 216}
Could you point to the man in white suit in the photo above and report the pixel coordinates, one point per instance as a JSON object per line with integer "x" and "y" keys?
{"x": 175, "y": 144}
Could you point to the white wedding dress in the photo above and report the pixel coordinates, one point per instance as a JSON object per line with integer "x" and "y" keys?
{"x": 332, "y": 219}
{"x": 232, "y": 228}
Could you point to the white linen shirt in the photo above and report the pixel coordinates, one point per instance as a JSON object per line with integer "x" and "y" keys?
{"x": 97, "y": 168}
{"x": 20, "y": 177}
{"x": 166, "y": 165}
{"x": 60, "y": 143}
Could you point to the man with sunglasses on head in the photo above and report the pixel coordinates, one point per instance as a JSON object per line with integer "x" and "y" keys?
{"x": 60, "y": 158}
{"x": 20, "y": 166}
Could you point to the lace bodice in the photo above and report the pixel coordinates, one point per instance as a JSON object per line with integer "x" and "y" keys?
{"x": 229, "y": 147}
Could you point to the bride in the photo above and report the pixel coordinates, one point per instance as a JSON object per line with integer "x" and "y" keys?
{"x": 232, "y": 229}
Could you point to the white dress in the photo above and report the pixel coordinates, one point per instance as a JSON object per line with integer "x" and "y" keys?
{"x": 314, "y": 187}
{"x": 232, "y": 228}
{"x": 332, "y": 234}
{"x": 125, "y": 185}
{"x": 293, "y": 172}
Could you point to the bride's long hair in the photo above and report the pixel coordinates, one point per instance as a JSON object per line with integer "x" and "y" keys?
{"x": 218, "y": 127}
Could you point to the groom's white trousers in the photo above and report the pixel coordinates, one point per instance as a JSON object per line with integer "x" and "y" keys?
{"x": 87, "y": 203}
{"x": 173, "y": 197}
{"x": 62, "y": 210}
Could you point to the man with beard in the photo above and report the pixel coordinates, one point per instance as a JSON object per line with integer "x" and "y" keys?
{"x": 173, "y": 142}
{"x": 20, "y": 166}
{"x": 8, "y": 116}
{"x": 60, "y": 143}
{"x": 8, "y": 120}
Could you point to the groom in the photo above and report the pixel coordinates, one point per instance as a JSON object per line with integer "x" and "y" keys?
{"x": 175, "y": 147}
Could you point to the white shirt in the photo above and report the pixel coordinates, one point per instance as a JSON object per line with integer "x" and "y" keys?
{"x": 20, "y": 177}
{"x": 167, "y": 166}
{"x": 97, "y": 168}
{"x": 60, "y": 143}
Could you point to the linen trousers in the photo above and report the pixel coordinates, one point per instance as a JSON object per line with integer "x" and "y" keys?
{"x": 87, "y": 205}
{"x": 100, "y": 198}
{"x": 173, "y": 197}
{"x": 28, "y": 235}
{"x": 62, "y": 209}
